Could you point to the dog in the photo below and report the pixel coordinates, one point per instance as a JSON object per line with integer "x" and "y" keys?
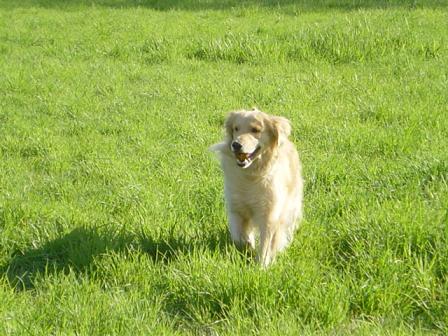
{"x": 263, "y": 183}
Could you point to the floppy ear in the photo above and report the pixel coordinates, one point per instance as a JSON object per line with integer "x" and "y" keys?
{"x": 228, "y": 124}
{"x": 281, "y": 128}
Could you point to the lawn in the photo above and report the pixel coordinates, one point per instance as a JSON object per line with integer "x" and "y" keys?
{"x": 112, "y": 217}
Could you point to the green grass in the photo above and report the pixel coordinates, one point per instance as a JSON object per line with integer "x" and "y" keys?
{"x": 112, "y": 216}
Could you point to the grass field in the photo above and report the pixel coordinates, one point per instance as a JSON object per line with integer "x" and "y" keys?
{"x": 112, "y": 216}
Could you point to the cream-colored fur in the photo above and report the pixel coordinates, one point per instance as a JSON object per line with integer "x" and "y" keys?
{"x": 263, "y": 185}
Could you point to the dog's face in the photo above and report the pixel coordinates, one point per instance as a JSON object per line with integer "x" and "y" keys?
{"x": 252, "y": 133}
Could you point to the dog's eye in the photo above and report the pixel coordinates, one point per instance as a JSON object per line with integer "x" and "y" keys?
{"x": 255, "y": 130}
{"x": 236, "y": 129}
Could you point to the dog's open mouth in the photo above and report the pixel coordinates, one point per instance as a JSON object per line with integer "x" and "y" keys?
{"x": 244, "y": 160}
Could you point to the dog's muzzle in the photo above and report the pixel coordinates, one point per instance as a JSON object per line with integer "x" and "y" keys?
{"x": 243, "y": 159}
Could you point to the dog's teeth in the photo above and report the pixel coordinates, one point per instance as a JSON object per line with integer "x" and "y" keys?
{"x": 241, "y": 156}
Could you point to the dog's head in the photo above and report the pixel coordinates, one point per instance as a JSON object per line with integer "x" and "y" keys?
{"x": 252, "y": 134}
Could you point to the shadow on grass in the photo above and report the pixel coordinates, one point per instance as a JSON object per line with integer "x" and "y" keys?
{"x": 76, "y": 251}
{"x": 199, "y": 5}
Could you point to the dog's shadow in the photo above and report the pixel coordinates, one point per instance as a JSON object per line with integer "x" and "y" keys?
{"x": 76, "y": 251}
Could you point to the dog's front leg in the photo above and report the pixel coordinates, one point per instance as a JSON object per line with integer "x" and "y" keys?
{"x": 241, "y": 231}
{"x": 273, "y": 239}
{"x": 265, "y": 254}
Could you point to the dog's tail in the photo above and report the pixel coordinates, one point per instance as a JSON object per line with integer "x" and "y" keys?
{"x": 218, "y": 147}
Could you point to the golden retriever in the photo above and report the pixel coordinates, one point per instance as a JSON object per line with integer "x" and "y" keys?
{"x": 263, "y": 184}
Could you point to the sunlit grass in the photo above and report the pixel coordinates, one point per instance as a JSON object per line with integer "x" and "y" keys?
{"x": 112, "y": 218}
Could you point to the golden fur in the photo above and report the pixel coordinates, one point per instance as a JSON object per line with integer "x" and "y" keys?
{"x": 262, "y": 181}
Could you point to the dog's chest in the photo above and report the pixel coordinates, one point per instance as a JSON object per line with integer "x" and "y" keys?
{"x": 247, "y": 195}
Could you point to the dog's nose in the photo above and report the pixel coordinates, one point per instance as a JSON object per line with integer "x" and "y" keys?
{"x": 236, "y": 146}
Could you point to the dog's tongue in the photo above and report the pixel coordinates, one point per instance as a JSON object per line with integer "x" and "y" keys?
{"x": 241, "y": 156}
